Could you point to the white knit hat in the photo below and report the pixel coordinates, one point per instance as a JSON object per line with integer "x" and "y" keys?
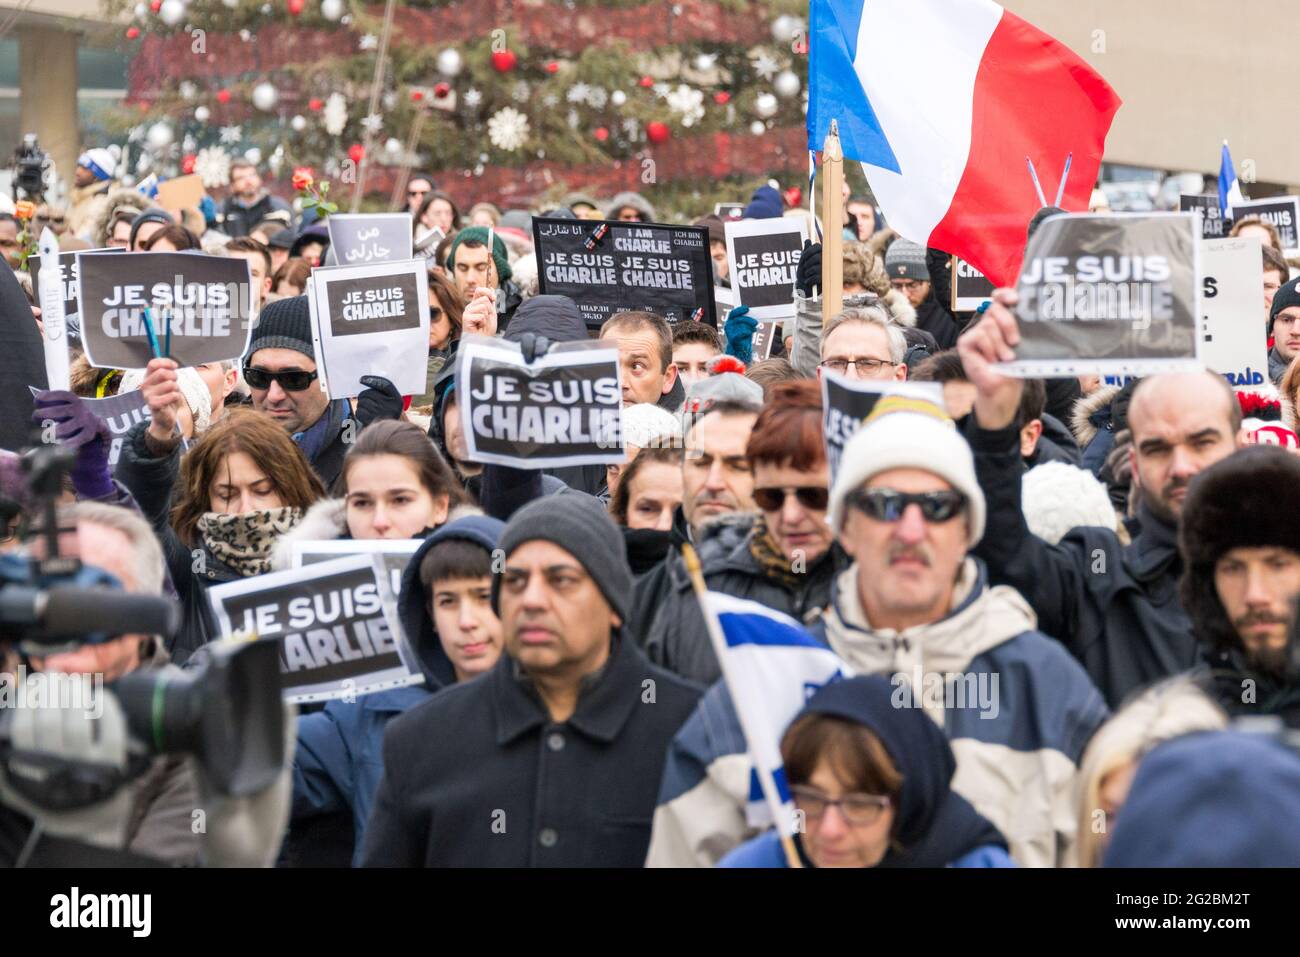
{"x": 645, "y": 425}
{"x": 905, "y": 433}
{"x": 100, "y": 162}
{"x": 197, "y": 395}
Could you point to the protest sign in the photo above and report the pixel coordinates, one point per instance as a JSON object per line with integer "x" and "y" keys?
{"x": 204, "y": 300}
{"x": 393, "y": 552}
{"x": 970, "y": 287}
{"x": 67, "y": 267}
{"x": 564, "y": 409}
{"x": 183, "y": 192}
{"x": 846, "y": 402}
{"x": 1282, "y": 212}
{"x": 764, "y": 256}
{"x": 336, "y": 623}
{"x": 1213, "y": 223}
{"x": 1109, "y": 294}
{"x": 119, "y": 412}
{"x": 371, "y": 320}
{"x": 729, "y": 210}
{"x": 608, "y": 267}
{"x": 766, "y": 337}
{"x": 426, "y": 244}
{"x": 1233, "y": 342}
{"x": 357, "y": 238}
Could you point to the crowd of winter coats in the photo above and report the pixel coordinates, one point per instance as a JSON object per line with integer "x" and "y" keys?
{"x": 1052, "y": 600}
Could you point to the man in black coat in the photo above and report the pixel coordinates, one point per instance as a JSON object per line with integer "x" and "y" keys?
{"x": 1115, "y": 607}
{"x": 1241, "y": 546}
{"x": 553, "y": 758}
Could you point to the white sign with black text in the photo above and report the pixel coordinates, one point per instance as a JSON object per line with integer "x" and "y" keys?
{"x": 1233, "y": 342}
{"x": 764, "y": 257}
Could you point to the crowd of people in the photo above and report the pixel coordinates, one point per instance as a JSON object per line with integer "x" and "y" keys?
{"x": 1094, "y": 580}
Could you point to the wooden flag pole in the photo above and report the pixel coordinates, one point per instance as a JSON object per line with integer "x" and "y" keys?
{"x": 832, "y": 226}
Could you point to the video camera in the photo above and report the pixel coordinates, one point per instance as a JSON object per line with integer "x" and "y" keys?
{"x": 228, "y": 714}
{"x": 31, "y": 164}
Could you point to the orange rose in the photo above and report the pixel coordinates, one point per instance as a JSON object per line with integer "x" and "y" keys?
{"x": 25, "y": 209}
{"x": 303, "y": 177}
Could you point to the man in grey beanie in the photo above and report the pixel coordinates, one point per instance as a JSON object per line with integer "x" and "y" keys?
{"x": 909, "y": 273}
{"x": 552, "y": 759}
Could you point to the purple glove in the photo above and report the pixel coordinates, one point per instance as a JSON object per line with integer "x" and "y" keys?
{"x": 77, "y": 427}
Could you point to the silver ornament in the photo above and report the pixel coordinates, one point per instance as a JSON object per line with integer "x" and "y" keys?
{"x": 786, "y": 84}
{"x": 765, "y": 105}
{"x": 618, "y": 98}
{"x": 298, "y": 123}
{"x": 758, "y": 127}
{"x": 171, "y": 12}
{"x": 265, "y": 96}
{"x": 450, "y": 62}
{"x": 331, "y": 9}
{"x": 201, "y": 113}
{"x": 159, "y": 136}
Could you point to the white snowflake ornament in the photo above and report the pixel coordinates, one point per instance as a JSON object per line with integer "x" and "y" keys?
{"x": 688, "y": 102}
{"x": 578, "y": 93}
{"x": 213, "y": 166}
{"x": 373, "y": 123}
{"x": 369, "y": 42}
{"x": 232, "y": 134}
{"x": 473, "y": 98}
{"x": 508, "y": 129}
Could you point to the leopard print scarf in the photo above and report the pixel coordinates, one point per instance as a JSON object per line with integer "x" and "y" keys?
{"x": 243, "y": 542}
{"x": 770, "y": 558}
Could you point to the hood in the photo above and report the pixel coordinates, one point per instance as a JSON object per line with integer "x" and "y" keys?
{"x": 764, "y": 204}
{"x": 983, "y": 617}
{"x": 412, "y": 608}
{"x": 1081, "y": 424}
{"x": 635, "y": 200}
{"x": 900, "y": 310}
{"x": 323, "y": 522}
{"x": 119, "y": 198}
{"x": 316, "y": 233}
{"x": 933, "y": 825}
{"x": 1216, "y": 799}
{"x": 555, "y": 317}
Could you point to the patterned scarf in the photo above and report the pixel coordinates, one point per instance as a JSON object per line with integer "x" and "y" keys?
{"x": 243, "y": 542}
{"x": 770, "y": 558}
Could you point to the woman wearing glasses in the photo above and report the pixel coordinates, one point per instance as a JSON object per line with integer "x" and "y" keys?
{"x": 872, "y": 787}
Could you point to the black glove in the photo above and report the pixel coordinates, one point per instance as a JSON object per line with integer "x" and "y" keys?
{"x": 379, "y": 400}
{"x": 808, "y": 279}
{"x": 533, "y": 346}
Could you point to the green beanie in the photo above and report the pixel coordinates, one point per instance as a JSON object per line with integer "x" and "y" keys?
{"x": 479, "y": 234}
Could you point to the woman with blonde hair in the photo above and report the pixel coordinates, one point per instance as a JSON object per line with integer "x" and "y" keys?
{"x": 1161, "y": 713}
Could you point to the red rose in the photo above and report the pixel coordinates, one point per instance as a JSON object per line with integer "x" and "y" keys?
{"x": 303, "y": 178}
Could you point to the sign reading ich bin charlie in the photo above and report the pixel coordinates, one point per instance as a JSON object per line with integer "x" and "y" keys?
{"x": 1113, "y": 293}
{"x": 205, "y": 300}
{"x": 608, "y": 267}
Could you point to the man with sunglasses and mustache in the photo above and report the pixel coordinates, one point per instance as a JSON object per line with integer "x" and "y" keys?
{"x": 917, "y": 606}
{"x": 280, "y": 370}
{"x": 1115, "y": 607}
{"x": 1241, "y": 549}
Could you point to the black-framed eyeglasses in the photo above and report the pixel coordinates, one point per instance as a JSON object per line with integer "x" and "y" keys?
{"x": 858, "y": 809}
{"x": 888, "y": 505}
{"x": 291, "y": 380}
{"x": 868, "y": 366}
{"x": 812, "y": 497}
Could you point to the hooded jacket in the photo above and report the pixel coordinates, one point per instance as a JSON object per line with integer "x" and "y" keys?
{"x": 933, "y": 825}
{"x": 86, "y": 204}
{"x": 121, "y": 197}
{"x": 1114, "y": 606}
{"x": 1017, "y": 745}
{"x": 339, "y": 759}
{"x": 806, "y": 349}
{"x": 636, "y": 201}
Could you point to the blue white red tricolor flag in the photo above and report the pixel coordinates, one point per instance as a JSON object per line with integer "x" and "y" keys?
{"x": 1229, "y": 185}
{"x": 942, "y": 101}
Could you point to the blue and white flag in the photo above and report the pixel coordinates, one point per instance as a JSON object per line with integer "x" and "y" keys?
{"x": 772, "y": 666}
{"x": 1229, "y": 186}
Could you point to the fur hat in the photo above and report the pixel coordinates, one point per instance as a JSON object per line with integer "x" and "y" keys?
{"x": 1238, "y": 502}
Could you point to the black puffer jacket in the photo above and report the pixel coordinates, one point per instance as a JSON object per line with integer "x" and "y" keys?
{"x": 667, "y": 615}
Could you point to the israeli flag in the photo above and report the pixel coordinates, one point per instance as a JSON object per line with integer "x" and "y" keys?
{"x": 1229, "y": 186}
{"x": 772, "y": 666}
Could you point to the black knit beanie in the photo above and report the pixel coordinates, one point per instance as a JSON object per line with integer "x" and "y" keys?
{"x": 579, "y": 525}
{"x": 1288, "y": 295}
{"x": 284, "y": 324}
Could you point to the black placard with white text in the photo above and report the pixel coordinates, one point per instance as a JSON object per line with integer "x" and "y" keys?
{"x": 764, "y": 257}
{"x": 608, "y": 267}
{"x": 564, "y": 409}
{"x": 1282, "y": 212}
{"x": 846, "y": 402}
{"x": 205, "y": 300}
{"x": 1109, "y": 293}
{"x": 970, "y": 287}
{"x": 68, "y": 275}
{"x": 1214, "y": 225}
{"x": 336, "y": 623}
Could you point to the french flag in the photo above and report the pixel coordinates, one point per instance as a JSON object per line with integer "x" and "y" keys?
{"x": 942, "y": 101}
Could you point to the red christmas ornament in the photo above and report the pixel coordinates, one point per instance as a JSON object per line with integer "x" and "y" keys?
{"x": 657, "y": 132}
{"x": 187, "y": 164}
{"x": 503, "y": 61}
{"x": 315, "y": 104}
{"x": 223, "y": 96}
{"x": 722, "y": 98}
{"x": 647, "y": 81}
{"x": 417, "y": 96}
{"x": 441, "y": 90}
{"x": 155, "y": 5}
{"x": 552, "y": 67}
{"x": 132, "y": 32}
{"x": 793, "y": 197}
{"x": 355, "y": 152}
{"x": 601, "y": 133}
{"x": 295, "y": 7}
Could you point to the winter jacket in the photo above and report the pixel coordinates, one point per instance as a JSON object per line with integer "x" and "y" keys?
{"x": 151, "y": 479}
{"x": 328, "y": 460}
{"x": 765, "y": 851}
{"x": 806, "y": 348}
{"x": 1115, "y": 607}
{"x": 673, "y": 633}
{"x": 480, "y": 776}
{"x": 1017, "y": 746}
{"x": 934, "y": 318}
{"x": 1056, "y": 444}
{"x": 1276, "y": 366}
{"x": 239, "y": 220}
{"x": 86, "y": 204}
{"x": 339, "y": 759}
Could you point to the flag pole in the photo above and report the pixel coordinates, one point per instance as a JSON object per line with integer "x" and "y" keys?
{"x": 720, "y": 649}
{"x": 832, "y": 226}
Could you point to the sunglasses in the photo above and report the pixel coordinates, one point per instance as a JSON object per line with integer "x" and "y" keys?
{"x": 812, "y": 497}
{"x": 887, "y": 505}
{"x": 293, "y": 380}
